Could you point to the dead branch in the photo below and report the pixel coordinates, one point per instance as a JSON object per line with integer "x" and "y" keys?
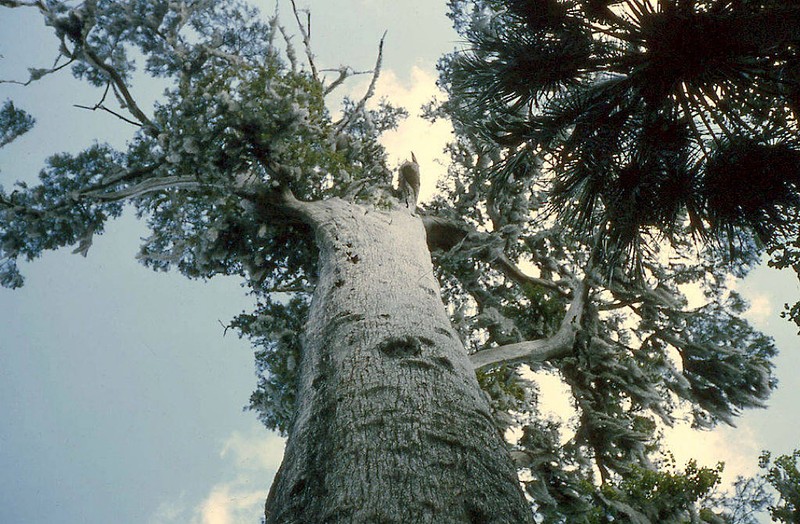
{"x": 376, "y": 72}
{"x": 101, "y": 106}
{"x": 38, "y": 74}
{"x": 120, "y": 87}
{"x": 345, "y": 72}
{"x": 291, "y": 54}
{"x": 305, "y": 32}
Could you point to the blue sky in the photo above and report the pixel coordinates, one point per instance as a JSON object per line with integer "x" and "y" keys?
{"x": 120, "y": 396}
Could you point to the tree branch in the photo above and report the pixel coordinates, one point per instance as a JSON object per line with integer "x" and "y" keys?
{"x": 376, "y": 73}
{"x": 16, "y": 3}
{"x": 102, "y": 107}
{"x": 305, "y": 32}
{"x": 445, "y": 234}
{"x": 540, "y": 350}
{"x": 291, "y": 55}
{"x": 120, "y": 87}
{"x": 291, "y": 203}
{"x": 513, "y": 272}
{"x": 38, "y": 74}
{"x": 82, "y": 51}
{"x": 148, "y": 186}
{"x": 345, "y": 72}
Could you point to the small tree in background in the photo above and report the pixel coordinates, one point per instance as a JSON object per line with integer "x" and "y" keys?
{"x": 241, "y": 169}
{"x": 783, "y": 476}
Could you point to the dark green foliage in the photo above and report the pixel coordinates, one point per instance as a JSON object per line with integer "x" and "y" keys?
{"x": 641, "y": 353}
{"x": 752, "y": 186}
{"x": 783, "y": 475}
{"x": 647, "y": 115}
{"x": 531, "y": 141}
{"x": 561, "y": 484}
{"x": 51, "y": 214}
{"x": 14, "y": 122}
{"x": 275, "y": 330}
{"x": 662, "y": 496}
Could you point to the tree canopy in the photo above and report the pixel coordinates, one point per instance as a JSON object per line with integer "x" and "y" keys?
{"x": 647, "y": 118}
{"x": 659, "y": 137}
{"x": 582, "y": 127}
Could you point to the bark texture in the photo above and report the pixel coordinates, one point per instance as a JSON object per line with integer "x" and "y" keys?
{"x": 392, "y": 426}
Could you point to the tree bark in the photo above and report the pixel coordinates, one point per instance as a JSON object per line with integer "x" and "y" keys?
{"x": 391, "y": 425}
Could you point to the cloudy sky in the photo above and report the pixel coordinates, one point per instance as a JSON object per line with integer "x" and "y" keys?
{"x": 120, "y": 395}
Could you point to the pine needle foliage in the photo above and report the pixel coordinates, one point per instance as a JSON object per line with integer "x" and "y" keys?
{"x": 640, "y": 116}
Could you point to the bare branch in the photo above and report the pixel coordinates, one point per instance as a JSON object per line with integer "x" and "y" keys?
{"x": 104, "y": 108}
{"x": 513, "y": 272}
{"x": 611, "y": 306}
{"x": 273, "y": 25}
{"x": 38, "y": 74}
{"x": 376, "y": 72}
{"x": 83, "y": 52}
{"x": 120, "y": 88}
{"x": 122, "y": 176}
{"x": 234, "y": 60}
{"x": 345, "y": 72}
{"x": 305, "y": 32}
{"x": 100, "y": 105}
{"x": 290, "y": 289}
{"x": 558, "y": 345}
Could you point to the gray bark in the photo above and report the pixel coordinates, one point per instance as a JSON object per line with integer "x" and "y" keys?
{"x": 391, "y": 426}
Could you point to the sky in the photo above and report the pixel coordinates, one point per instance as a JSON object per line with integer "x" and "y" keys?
{"x": 121, "y": 395}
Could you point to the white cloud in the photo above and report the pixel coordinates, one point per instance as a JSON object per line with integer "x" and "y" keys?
{"x": 737, "y": 447}
{"x": 231, "y": 504}
{"x": 254, "y": 451}
{"x": 694, "y": 295}
{"x": 171, "y": 511}
{"x": 237, "y": 498}
{"x": 415, "y": 134}
{"x": 760, "y": 309}
{"x": 555, "y": 400}
{"x": 257, "y": 457}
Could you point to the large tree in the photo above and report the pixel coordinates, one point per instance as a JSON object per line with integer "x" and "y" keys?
{"x": 241, "y": 169}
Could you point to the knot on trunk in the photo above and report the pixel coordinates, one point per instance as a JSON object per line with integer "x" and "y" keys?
{"x": 398, "y": 347}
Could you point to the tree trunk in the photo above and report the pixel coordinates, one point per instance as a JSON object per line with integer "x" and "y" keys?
{"x": 391, "y": 425}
